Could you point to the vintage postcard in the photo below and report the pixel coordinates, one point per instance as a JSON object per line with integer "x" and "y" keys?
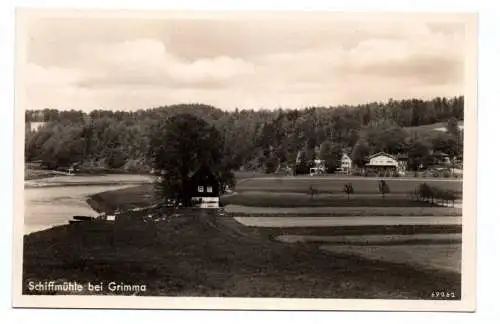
{"x": 245, "y": 160}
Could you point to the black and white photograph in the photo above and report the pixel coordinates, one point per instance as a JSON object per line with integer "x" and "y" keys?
{"x": 292, "y": 160}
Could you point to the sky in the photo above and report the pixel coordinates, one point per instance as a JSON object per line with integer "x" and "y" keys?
{"x": 241, "y": 61}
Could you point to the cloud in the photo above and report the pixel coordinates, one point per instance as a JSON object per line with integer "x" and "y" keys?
{"x": 422, "y": 54}
{"x": 146, "y": 62}
{"x": 246, "y": 64}
{"x": 39, "y": 76}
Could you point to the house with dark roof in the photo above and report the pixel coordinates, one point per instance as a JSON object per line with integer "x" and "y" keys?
{"x": 203, "y": 188}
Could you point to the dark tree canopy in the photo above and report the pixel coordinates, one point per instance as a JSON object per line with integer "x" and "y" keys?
{"x": 262, "y": 140}
{"x": 360, "y": 153}
{"x": 179, "y": 146}
{"x": 331, "y": 154}
{"x": 419, "y": 153}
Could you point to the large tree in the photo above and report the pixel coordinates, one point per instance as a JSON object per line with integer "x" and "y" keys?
{"x": 452, "y": 126}
{"x": 385, "y": 136}
{"x": 418, "y": 154}
{"x": 179, "y": 145}
{"x": 331, "y": 154}
{"x": 456, "y": 133}
{"x": 360, "y": 152}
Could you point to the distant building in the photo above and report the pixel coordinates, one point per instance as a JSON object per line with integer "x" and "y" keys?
{"x": 35, "y": 126}
{"x": 345, "y": 164}
{"x": 204, "y": 188}
{"x": 382, "y": 160}
{"x": 382, "y": 163}
{"x": 402, "y": 163}
{"x": 387, "y": 164}
{"x": 440, "y": 159}
{"x": 319, "y": 167}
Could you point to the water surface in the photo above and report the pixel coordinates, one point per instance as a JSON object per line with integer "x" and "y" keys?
{"x": 46, "y": 206}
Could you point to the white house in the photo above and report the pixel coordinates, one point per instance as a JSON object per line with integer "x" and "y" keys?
{"x": 383, "y": 163}
{"x": 382, "y": 159}
{"x": 35, "y": 126}
{"x": 346, "y": 164}
{"x": 402, "y": 163}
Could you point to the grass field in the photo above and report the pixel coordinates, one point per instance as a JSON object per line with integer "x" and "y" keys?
{"x": 242, "y": 211}
{"x": 335, "y": 185}
{"x": 290, "y": 196}
{"x": 262, "y": 199}
{"x": 292, "y": 193}
{"x": 430, "y": 127}
{"x": 128, "y": 198}
{"x": 32, "y": 174}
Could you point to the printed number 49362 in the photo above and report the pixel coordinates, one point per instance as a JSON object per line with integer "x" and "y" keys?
{"x": 443, "y": 294}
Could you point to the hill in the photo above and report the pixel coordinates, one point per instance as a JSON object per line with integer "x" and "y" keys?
{"x": 253, "y": 139}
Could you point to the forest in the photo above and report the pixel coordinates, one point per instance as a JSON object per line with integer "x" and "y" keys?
{"x": 251, "y": 139}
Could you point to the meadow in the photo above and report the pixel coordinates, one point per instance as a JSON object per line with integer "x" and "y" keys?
{"x": 293, "y": 195}
{"x": 335, "y": 184}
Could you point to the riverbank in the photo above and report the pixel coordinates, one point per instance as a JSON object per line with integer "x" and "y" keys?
{"x": 54, "y": 201}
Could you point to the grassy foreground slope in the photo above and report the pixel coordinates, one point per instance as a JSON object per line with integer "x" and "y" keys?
{"x": 196, "y": 255}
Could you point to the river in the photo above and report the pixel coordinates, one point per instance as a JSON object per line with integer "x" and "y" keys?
{"x": 54, "y": 201}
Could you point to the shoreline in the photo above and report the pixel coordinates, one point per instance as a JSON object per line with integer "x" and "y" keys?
{"x": 43, "y": 194}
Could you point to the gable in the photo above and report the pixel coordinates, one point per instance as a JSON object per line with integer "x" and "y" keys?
{"x": 203, "y": 183}
{"x": 346, "y": 158}
{"x": 203, "y": 176}
{"x": 383, "y": 160}
{"x": 381, "y": 154}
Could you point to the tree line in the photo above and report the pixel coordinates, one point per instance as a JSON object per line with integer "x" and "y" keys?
{"x": 250, "y": 139}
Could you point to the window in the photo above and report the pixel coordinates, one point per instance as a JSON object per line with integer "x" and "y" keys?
{"x": 200, "y": 188}
{"x": 209, "y": 189}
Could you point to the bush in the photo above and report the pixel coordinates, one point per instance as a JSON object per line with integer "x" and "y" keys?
{"x": 383, "y": 188}
{"x": 271, "y": 164}
{"x": 135, "y": 166}
{"x": 425, "y": 191}
{"x": 312, "y": 191}
{"x": 432, "y": 194}
{"x": 348, "y": 189}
